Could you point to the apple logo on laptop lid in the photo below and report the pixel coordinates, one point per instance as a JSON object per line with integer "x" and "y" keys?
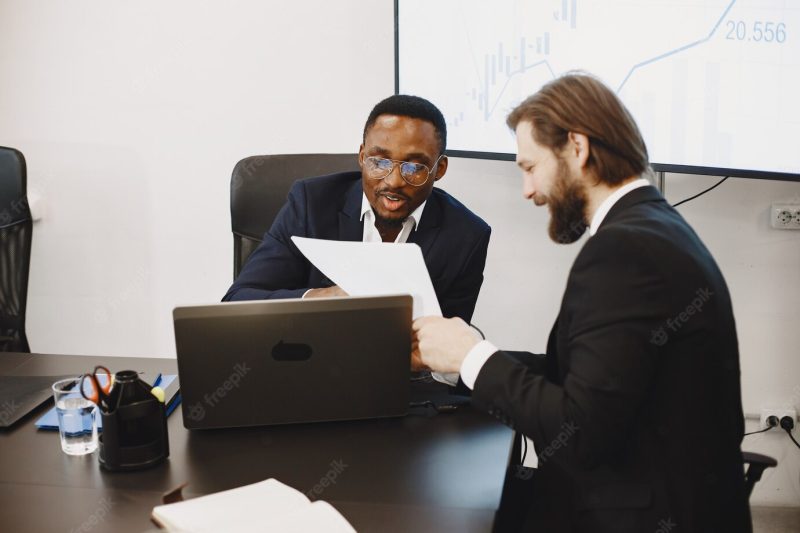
{"x": 290, "y": 351}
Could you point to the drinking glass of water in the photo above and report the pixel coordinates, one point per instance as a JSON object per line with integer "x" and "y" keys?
{"x": 77, "y": 418}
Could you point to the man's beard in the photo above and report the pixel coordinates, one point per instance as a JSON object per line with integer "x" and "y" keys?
{"x": 387, "y": 222}
{"x": 567, "y": 204}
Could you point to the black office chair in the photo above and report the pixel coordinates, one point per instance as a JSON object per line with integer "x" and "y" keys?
{"x": 259, "y": 187}
{"x": 15, "y": 250}
{"x": 756, "y": 464}
{"x": 519, "y": 486}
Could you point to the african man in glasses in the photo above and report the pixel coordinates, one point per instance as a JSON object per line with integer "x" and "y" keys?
{"x": 392, "y": 199}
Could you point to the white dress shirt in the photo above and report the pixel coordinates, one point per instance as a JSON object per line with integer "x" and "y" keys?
{"x": 480, "y": 353}
{"x": 371, "y": 233}
{"x": 609, "y": 202}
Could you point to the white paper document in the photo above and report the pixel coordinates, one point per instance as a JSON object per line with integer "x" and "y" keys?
{"x": 374, "y": 269}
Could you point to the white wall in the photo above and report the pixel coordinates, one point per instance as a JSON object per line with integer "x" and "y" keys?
{"x": 132, "y": 115}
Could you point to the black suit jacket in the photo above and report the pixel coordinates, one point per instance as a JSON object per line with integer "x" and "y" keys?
{"x": 637, "y": 416}
{"x": 452, "y": 238}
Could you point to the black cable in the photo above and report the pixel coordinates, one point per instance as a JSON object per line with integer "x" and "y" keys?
{"x": 701, "y": 193}
{"x": 441, "y": 408}
{"x": 792, "y": 437}
{"x": 524, "y": 449}
{"x": 787, "y": 424}
{"x": 478, "y": 330}
{"x": 759, "y": 431}
{"x": 772, "y": 422}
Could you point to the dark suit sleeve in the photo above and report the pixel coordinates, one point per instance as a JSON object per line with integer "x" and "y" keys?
{"x": 535, "y": 362}
{"x": 614, "y": 304}
{"x": 460, "y": 298}
{"x": 277, "y": 269}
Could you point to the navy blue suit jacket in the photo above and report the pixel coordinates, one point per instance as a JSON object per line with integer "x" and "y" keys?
{"x": 452, "y": 238}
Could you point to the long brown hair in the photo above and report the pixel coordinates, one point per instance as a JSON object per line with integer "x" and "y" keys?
{"x": 580, "y": 103}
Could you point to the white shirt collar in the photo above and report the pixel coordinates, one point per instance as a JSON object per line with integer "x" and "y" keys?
{"x": 609, "y": 202}
{"x": 368, "y": 217}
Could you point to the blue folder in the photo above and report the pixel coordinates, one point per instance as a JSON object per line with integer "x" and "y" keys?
{"x": 49, "y": 421}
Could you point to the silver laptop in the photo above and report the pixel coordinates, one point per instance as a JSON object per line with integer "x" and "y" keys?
{"x": 288, "y": 361}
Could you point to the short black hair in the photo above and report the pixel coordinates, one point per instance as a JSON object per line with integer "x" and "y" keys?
{"x": 405, "y": 105}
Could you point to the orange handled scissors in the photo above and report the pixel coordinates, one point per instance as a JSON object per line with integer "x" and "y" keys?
{"x": 96, "y": 392}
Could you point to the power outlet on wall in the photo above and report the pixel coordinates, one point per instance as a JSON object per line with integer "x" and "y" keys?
{"x": 777, "y": 412}
{"x": 785, "y": 216}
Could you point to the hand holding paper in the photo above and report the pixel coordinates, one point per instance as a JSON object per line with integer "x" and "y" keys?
{"x": 372, "y": 269}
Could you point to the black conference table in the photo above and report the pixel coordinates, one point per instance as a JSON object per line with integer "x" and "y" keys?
{"x": 424, "y": 472}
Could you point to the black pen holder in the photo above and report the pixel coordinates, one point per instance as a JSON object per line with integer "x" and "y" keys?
{"x": 134, "y": 432}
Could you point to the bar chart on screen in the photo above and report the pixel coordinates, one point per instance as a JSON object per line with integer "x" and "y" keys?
{"x": 702, "y": 79}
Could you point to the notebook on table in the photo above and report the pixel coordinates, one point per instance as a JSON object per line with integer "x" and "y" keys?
{"x": 265, "y": 506}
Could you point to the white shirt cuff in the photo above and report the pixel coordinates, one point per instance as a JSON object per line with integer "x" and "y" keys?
{"x": 474, "y": 361}
{"x": 448, "y": 378}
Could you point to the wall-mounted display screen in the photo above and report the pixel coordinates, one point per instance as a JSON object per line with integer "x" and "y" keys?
{"x": 713, "y": 84}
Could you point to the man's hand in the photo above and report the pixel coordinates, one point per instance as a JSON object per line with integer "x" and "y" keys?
{"x": 416, "y": 360}
{"x": 326, "y": 292}
{"x": 441, "y": 344}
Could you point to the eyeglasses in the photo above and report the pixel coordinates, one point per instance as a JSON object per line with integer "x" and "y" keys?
{"x": 415, "y": 174}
